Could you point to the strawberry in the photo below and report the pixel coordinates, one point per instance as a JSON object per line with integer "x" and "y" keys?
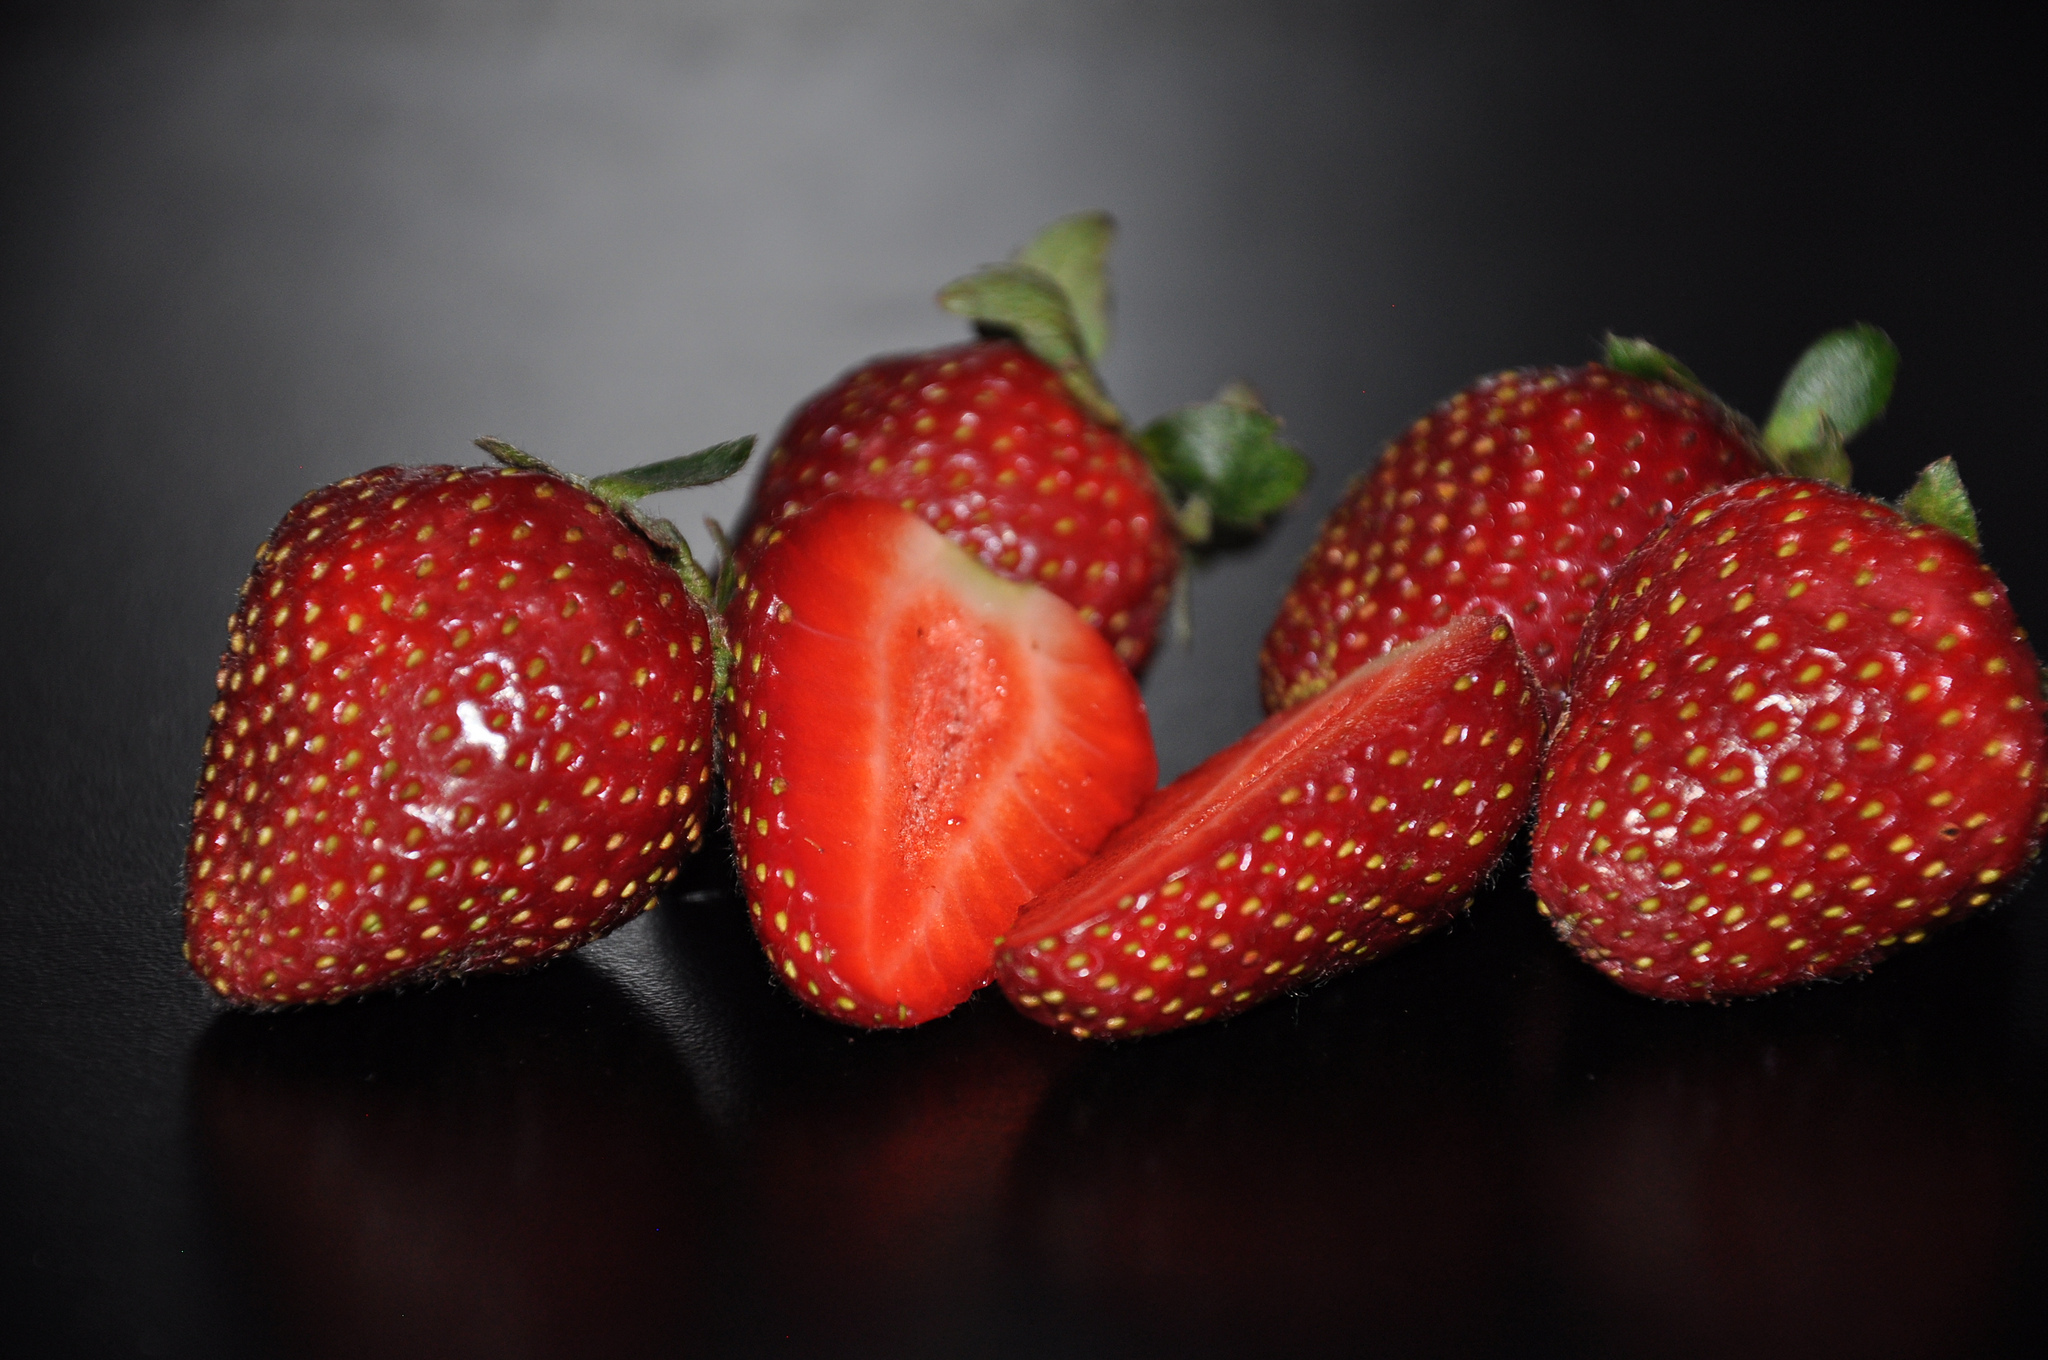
{"x": 914, "y": 748}
{"x": 1521, "y": 495}
{"x": 1010, "y": 446}
{"x": 1327, "y": 836}
{"x": 983, "y": 440}
{"x": 1803, "y": 731}
{"x": 463, "y": 723}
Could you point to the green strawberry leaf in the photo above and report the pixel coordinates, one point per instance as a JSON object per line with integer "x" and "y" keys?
{"x": 1225, "y": 461}
{"x": 1195, "y": 520}
{"x": 512, "y": 456}
{"x": 1823, "y": 455}
{"x": 1839, "y": 386}
{"x": 1024, "y": 301}
{"x": 1938, "y": 499}
{"x": 1640, "y": 359}
{"x": 702, "y": 468}
{"x": 1074, "y": 253}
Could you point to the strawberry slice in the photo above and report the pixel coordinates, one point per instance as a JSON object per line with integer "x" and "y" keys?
{"x": 1330, "y": 834}
{"x": 914, "y": 749}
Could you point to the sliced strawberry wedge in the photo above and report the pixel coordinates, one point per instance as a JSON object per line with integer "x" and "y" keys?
{"x": 914, "y": 749}
{"x": 1330, "y": 834}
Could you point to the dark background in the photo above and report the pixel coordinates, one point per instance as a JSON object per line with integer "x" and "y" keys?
{"x": 247, "y": 249}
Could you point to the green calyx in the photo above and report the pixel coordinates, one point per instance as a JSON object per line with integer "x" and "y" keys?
{"x": 1220, "y": 463}
{"x": 1053, "y": 298}
{"x": 1639, "y": 358}
{"x": 1224, "y": 463}
{"x": 1836, "y": 388}
{"x": 1074, "y": 253}
{"x": 1938, "y": 498}
{"x": 702, "y": 468}
{"x": 1840, "y": 385}
{"x": 621, "y": 491}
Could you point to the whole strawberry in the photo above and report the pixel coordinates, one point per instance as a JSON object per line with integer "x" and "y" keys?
{"x": 1327, "y": 836}
{"x": 1010, "y": 446}
{"x": 464, "y": 723}
{"x": 1804, "y": 730}
{"x": 1521, "y": 494}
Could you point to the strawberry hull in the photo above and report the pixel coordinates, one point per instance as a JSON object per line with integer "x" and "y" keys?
{"x": 1330, "y": 834}
{"x": 464, "y": 723}
{"x": 1804, "y": 732}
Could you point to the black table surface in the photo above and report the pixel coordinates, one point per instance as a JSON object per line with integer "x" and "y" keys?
{"x": 249, "y": 249}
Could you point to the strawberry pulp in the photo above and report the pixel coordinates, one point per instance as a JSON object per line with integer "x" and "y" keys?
{"x": 1330, "y": 834}
{"x": 915, "y": 748}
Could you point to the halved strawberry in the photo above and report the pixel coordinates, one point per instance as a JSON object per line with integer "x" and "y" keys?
{"x": 914, "y": 749}
{"x": 1330, "y": 834}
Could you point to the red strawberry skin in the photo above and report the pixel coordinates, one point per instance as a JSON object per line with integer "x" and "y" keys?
{"x": 914, "y": 749}
{"x": 1520, "y": 495}
{"x": 983, "y": 441}
{"x": 1327, "y": 836}
{"x": 464, "y": 722}
{"x": 1803, "y": 732}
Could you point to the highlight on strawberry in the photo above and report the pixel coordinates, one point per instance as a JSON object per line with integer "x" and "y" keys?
{"x": 1524, "y": 492}
{"x": 914, "y": 747}
{"x": 464, "y": 722}
{"x": 1010, "y": 446}
{"x": 1330, "y": 834}
{"x": 1805, "y": 730}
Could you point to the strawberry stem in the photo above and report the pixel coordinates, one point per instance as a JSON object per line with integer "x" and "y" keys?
{"x": 728, "y": 581}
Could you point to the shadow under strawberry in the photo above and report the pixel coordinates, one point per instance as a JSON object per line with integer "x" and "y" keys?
{"x": 1839, "y": 1170}
{"x": 1322, "y": 1176}
{"x": 874, "y": 1169}
{"x": 500, "y": 1167}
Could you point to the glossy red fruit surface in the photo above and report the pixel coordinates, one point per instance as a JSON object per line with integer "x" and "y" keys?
{"x": 985, "y": 443}
{"x": 914, "y": 749}
{"x": 1804, "y": 731}
{"x": 1327, "y": 836}
{"x": 1520, "y": 495}
{"x": 464, "y": 722}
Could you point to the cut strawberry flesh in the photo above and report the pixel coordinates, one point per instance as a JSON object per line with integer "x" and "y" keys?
{"x": 915, "y": 748}
{"x": 1331, "y": 833}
